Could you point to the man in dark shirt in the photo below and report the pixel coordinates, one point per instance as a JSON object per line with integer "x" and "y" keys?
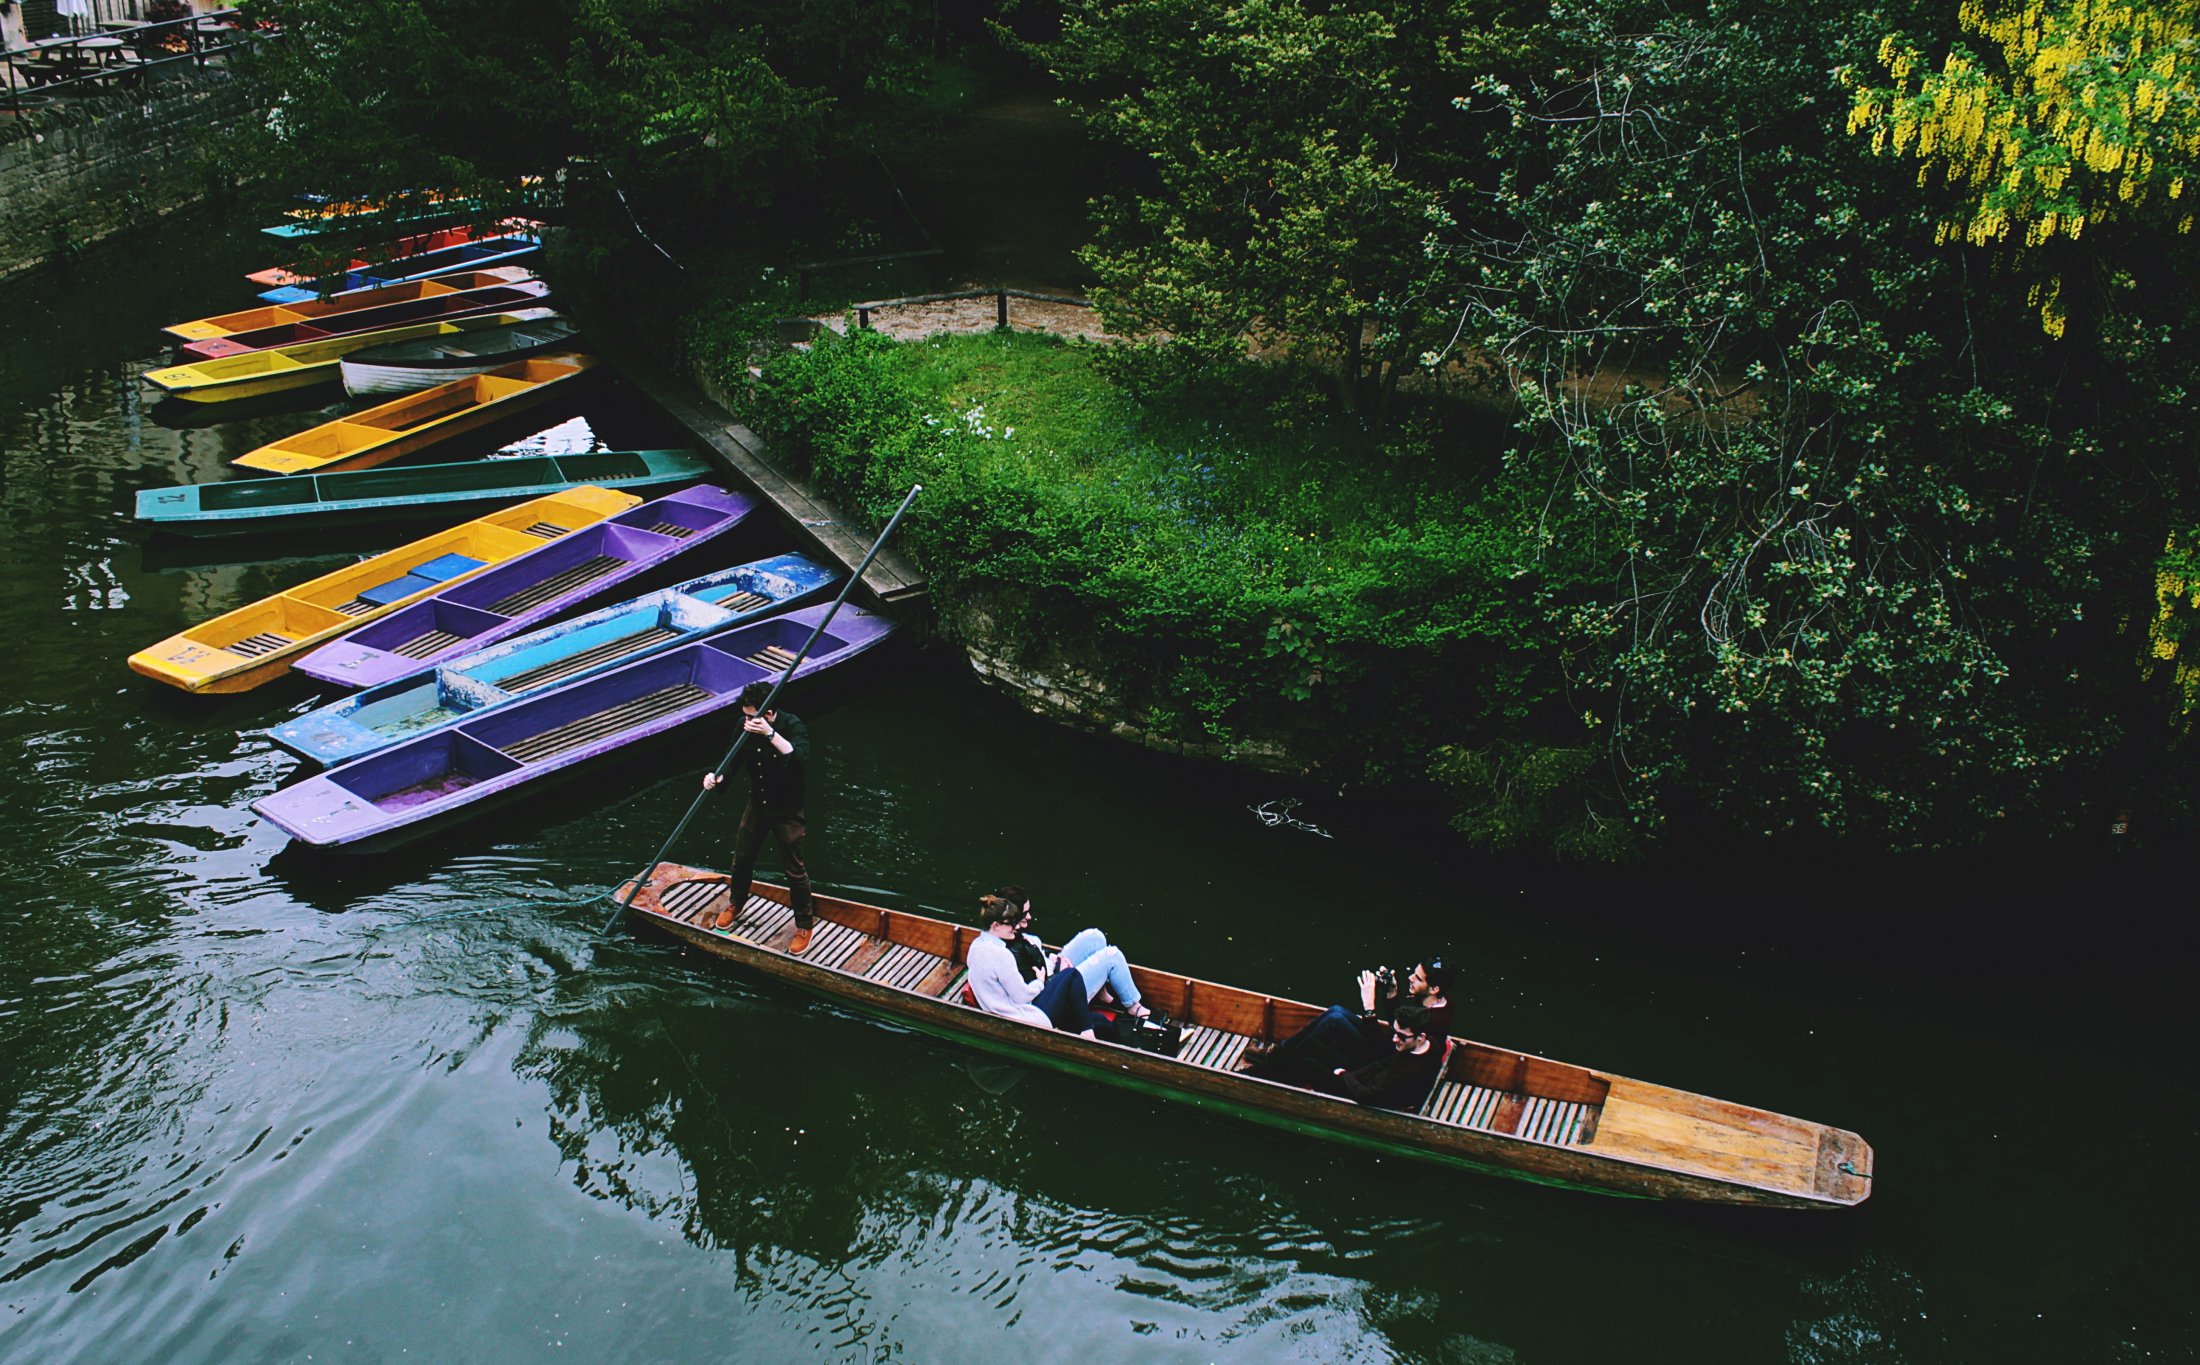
{"x": 778, "y": 747}
{"x": 1402, "y": 1076}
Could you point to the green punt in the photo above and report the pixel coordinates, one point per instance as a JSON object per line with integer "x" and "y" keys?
{"x": 399, "y": 493}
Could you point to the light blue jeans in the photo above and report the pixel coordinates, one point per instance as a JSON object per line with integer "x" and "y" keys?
{"x": 1101, "y": 965}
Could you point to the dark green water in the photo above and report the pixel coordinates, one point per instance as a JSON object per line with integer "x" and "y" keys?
{"x": 247, "y": 1114}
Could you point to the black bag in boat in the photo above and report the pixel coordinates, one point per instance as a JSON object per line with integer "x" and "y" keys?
{"x": 1154, "y": 1033}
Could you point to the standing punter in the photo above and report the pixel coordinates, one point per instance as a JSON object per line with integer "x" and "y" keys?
{"x": 775, "y": 755}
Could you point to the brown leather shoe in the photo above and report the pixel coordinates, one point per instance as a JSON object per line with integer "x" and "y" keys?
{"x": 724, "y": 920}
{"x": 800, "y": 942}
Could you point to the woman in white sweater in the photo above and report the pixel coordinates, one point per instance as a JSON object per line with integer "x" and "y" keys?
{"x": 1053, "y": 996}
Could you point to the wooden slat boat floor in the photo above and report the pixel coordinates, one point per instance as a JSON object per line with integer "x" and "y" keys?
{"x": 748, "y": 601}
{"x": 1213, "y": 1048}
{"x": 1468, "y": 1106}
{"x": 673, "y": 529}
{"x": 357, "y": 606}
{"x": 609, "y": 721}
{"x": 588, "y": 658}
{"x": 421, "y": 646}
{"x": 548, "y": 530}
{"x": 773, "y": 658}
{"x": 253, "y": 646}
{"x": 687, "y": 901}
{"x": 534, "y": 595}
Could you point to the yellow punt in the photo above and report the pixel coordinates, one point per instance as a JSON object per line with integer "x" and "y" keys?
{"x": 239, "y": 650}
{"x": 419, "y": 420}
{"x": 275, "y": 315}
{"x": 307, "y": 362}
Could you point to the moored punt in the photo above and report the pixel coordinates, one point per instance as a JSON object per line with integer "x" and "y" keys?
{"x": 241, "y": 649}
{"x": 480, "y": 254}
{"x": 464, "y": 768}
{"x": 552, "y": 656}
{"x": 405, "y": 492}
{"x": 276, "y": 314}
{"x": 417, "y": 244}
{"x": 529, "y": 589}
{"x": 1495, "y": 1110}
{"x": 409, "y": 366}
{"x": 417, "y": 421}
{"x": 502, "y": 297}
{"x": 305, "y": 363}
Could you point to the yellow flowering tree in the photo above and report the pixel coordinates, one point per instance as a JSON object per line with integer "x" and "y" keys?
{"x": 2085, "y": 111}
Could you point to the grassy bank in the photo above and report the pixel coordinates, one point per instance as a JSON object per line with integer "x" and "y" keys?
{"x": 1229, "y": 556}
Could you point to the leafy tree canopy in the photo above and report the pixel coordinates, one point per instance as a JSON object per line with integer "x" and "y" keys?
{"x": 1304, "y": 157}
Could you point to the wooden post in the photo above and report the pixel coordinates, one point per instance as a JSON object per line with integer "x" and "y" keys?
{"x": 1000, "y": 310}
{"x": 863, "y": 318}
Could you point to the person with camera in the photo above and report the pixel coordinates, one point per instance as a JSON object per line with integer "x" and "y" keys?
{"x": 1340, "y": 1039}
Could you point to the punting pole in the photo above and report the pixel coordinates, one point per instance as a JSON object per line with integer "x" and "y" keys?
{"x": 742, "y": 737}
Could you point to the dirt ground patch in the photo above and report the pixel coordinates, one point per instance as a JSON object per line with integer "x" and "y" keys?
{"x": 913, "y": 321}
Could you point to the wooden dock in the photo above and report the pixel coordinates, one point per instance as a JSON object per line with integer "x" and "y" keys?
{"x": 892, "y": 578}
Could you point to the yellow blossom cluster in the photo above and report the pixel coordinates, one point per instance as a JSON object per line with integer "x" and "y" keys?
{"x": 2093, "y": 109}
{"x": 2175, "y": 591}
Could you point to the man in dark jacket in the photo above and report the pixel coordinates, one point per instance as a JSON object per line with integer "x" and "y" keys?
{"x": 778, "y": 747}
{"x": 1403, "y": 1075}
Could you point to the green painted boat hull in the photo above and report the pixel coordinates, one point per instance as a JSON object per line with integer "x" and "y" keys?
{"x": 403, "y": 492}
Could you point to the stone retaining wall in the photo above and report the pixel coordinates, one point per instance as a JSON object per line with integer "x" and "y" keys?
{"x": 87, "y": 167}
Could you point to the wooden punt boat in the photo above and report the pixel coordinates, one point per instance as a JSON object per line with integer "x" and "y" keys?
{"x": 409, "y": 366}
{"x": 466, "y": 767}
{"x": 275, "y": 314}
{"x": 503, "y": 297}
{"x": 305, "y": 363}
{"x": 417, "y": 421}
{"x": 552, "y": 656}
{"x": 481, "y": 254}
{"x": 1495, "y": 1110}
{"x": 239, "y": 650}
{"x": 416, "y": 244}
{"x": 404, "y": 492}
{"x": 526, "y": 591}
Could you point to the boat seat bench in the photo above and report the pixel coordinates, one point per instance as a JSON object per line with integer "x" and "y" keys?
{"x": 1555, "y": 1122}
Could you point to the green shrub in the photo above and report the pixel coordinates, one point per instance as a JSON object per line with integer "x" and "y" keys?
{"x": 1233, "y": 562}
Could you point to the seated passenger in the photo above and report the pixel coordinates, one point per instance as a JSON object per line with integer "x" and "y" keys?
{"x": 1049, "y": 999}
{"x": 1400, "y": 1078}
{"x": 1105, "y": 970}
{"x": 1340, "y": 1038}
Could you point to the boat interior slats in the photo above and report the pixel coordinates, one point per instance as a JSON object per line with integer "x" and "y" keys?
{"x": 602, "y": 724}
{"x": 1536, "y": 1118}
{"x": 833, "y": 945}
{"x": 1213, "y": 1048}
{"x": 773, "y": 658}
{"x": 357, "y": 606}
{"x": 954, "y": 984}
{"x": 548, "y": 530}
{"x": 762, "y": 919}
{"x": 253, "y": 646}
{"x": 943, "y": 970}
{"x": 587, "y": 659}
{"x": 422, "y": 646}
{"x": 747, "y": 601}
{"x": 902, "y": 967}
{"x": 673, "y": 529}
{"x": 534, "y": 595}
{"x": 688, "y": 900}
